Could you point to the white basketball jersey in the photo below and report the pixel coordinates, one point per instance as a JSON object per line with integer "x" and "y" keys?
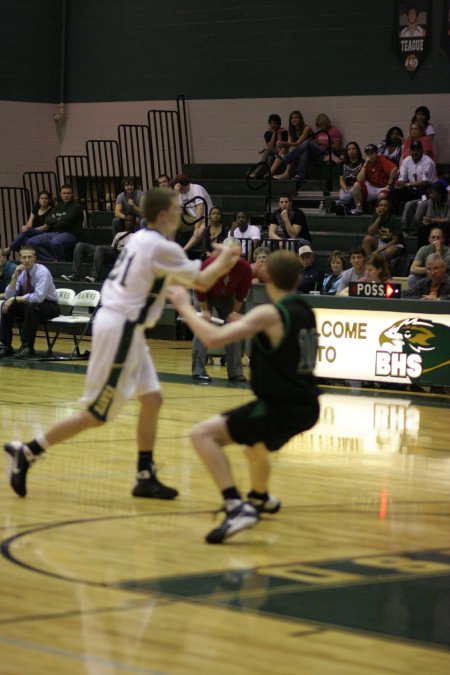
{"x": 136, "y": 286}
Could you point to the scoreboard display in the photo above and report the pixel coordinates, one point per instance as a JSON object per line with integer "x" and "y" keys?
{"x": 368, "y": 289}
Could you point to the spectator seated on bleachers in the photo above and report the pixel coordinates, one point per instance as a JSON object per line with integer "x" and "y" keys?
{"x": 423, "y": 115}
{"x": 392, "y": 146}
{"x": 375, "y": 179}
{"x": 331, "y": 281}
{"x": 259, "y": 266}
{"x": 163, "y": 181}
{"x": 192, "y": 198}
{"x": 417, "y": 133}
{"x": 317, "y": 149}
{"x": 299, "y": 132}
{"x": 410, "y": 215}
{"x": 214, "y": 233}
{"x": 311, "y": 276}
{"x": 435, "y": 211}
{"x": 416, "y": 209}
{"x": 63, "y": 225}
{"x": 289, "y": 223}
{"x": 377, "y": 269}
{"x": 249, "y": 235}
{"x": 349, "y": 170}
{"x": 274, "y": 138}
{"x": 128, "y": 201}
{"x": 417, "y": 172}
{"x": 355, "y": 272}
{"x": 436, "y": 285}
{"x": 385, "y": 233}
{"x": 100, "y": 255}
{"x": 7, "y": 269}
{"x": 36, "y": 222}
{"x": 436, "y": 244}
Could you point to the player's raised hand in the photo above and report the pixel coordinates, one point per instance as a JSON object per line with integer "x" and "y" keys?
{"x": 178, "y": 296}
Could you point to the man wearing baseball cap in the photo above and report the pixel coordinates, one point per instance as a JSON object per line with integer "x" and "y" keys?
{"x": 417, "y": 172}
{"x": 312, "y": 276}
{"x": 376, "y": 177}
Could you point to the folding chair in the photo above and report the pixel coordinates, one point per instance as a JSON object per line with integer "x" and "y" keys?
{"x": 66, "y": 297}
{"x": 78, "y": 322}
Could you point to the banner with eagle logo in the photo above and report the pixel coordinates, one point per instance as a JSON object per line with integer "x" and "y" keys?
{"x": 384, "y": 346}
{"x": 411, "y": 32}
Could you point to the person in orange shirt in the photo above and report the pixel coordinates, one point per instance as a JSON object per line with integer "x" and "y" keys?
{"x": 436, "y": 285}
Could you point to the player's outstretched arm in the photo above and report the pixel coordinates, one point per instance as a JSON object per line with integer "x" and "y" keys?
{"x": 257, "y": 320}
{"x": 226, "y": 259}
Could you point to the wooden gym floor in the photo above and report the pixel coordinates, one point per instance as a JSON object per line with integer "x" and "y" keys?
{"x": 351, "y": 577}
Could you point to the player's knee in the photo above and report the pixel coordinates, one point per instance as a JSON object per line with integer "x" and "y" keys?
{"x": 94, "y": 421}
{"x": 198, "y": 432}
{"x": 152, "y": 402}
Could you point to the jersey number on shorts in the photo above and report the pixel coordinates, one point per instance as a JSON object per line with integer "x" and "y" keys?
{"x": 122, "y": 267}
{"x": 307, "y": 342}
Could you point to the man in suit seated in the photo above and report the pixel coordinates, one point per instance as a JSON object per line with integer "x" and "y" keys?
{"x": 30, "y": 295}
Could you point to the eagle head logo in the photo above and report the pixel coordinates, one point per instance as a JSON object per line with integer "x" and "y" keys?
{"x": 410, "y": 335}
{"x": 431, "y": 341}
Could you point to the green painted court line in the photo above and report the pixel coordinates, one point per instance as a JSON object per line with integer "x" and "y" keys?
{"x": 80, "y": 367}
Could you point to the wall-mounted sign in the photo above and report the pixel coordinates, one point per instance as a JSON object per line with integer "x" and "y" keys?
{"x": 383, "y": 346}
{"x": 411, "y": 32}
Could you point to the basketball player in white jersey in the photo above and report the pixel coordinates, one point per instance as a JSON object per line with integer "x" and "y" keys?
{"x": 120, "y": 365}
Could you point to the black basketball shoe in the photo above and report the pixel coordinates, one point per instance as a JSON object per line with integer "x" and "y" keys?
{"x": 242, "y": 517}
{"x": 20, "y": 459}
{"x": 148, "y": 486}
{"x": 269, "y": 505}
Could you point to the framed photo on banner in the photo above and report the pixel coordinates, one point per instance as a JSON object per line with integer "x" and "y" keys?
{"x": 411, "y": 30}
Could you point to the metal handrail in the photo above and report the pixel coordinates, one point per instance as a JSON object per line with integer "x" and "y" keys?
{"x": 194, "y": 201}
{"x": 35, "y": 181}
{"x": 14, "y": 211}
{"x": 255, "y": 184}
{"x": 183, "y": 126}
{"x": 134, "y": 144}
{"x": 248, "y": 247}
{"x": 104, "y": 159}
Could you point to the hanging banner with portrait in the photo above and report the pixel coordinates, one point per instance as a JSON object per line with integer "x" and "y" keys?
{"x": 411, "y": 32}
{"x": 445, "y": 40}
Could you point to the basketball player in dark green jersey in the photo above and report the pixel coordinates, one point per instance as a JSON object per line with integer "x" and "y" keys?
{"x": 283, "y": 358}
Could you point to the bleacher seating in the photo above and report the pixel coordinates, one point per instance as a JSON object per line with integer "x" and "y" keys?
{"x": 229, "y": 189}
